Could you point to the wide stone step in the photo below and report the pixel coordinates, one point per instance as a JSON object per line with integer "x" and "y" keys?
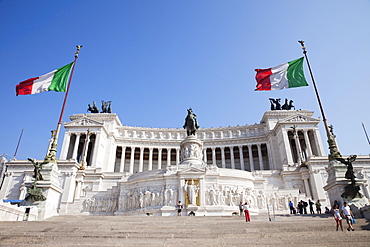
{"x": 286, "y": 230}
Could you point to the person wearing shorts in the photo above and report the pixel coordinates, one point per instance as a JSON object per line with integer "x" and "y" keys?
{"x": 179, "y": 208}
{"x": 337, "y": 217}
{"x": 348, "y": 215}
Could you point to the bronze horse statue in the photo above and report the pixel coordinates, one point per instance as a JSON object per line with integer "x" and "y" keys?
{"x": 288, "y": 106}
{"x": 191, "y": 124}
{"x": 93, "y": 109}
{"x": 277, "y": 105}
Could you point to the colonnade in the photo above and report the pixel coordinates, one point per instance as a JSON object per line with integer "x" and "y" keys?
{"x": 248, "y": 157}
{"x": 303, "y": 143}
{"x": 138, "y": 159}
{"x": 80, "y": 146}
{"x": 243, "y": 157}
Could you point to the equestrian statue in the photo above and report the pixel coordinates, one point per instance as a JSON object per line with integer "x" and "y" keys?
{"x": 191, "y": 124}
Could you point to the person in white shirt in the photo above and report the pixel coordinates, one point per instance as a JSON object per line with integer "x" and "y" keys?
{"x": 246, "y": 212}
{"x": 348, "y": 215}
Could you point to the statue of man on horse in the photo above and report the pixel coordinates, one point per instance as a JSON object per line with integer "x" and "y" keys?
{"x": 191, "y": 124}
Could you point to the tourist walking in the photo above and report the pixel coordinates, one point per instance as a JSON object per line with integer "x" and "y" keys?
{"x": 311, "y": 203}
{"x": 291, "y": 207}
{"x": 305, "y": 204}
{"x": 246, "y": 212}
{"x": 318, "y": 207}
{"x": 241, "y": 209}
{"x": 348, "y": 215}
{"x": 300, "y": 207}
{"x": 337, "y": 217}
{"x": 179, "y": 208}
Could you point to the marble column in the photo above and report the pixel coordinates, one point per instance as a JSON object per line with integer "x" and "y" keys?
{"x": 84, "y": 157}
{"x": 65, "y": 146}
{"x": 132, "y": 159}
{"x": 141, "y": 161}
{"x": 308, "y": 144}
{"x": 271, "y": 165}
{"x": 205, "y": 155}
{"x": 241, "y": 158}
{"x": 298, "y": 147}
{"x": 75, "y": 148}
{"x": 260, "y": 156}
{"x": 159, "y": 158}
{"x": 223, "y": 157}
{"x": 214, "y": 156}
{"x": 123, "y": 156}
{"x": 150, "y": 165}
{"x": 288, "y": 150}
{"x": 232, "y": 157}
{"x": 168, "y": 157}
{"x": 251, "y": 157}
{"x": 95, "y": 151}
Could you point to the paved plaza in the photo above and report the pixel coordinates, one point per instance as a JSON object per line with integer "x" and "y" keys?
{"x": 285, "y": 230}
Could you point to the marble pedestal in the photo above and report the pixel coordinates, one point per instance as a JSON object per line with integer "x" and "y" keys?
{"x": 336, "y": 184}
{"x": 51, "y": 190}
{"x": 191, "y": 151}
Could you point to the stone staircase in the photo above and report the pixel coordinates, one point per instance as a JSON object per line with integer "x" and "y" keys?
{"x": 283, "y": 230}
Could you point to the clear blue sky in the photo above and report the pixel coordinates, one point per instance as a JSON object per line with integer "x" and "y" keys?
{"x": 154, "y": 59}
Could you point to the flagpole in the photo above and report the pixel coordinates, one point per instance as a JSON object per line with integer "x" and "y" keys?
{"x": 363, "y": 126}
{"x": 334, "y": 153}
{"x": 19, "y": 141}
{"x": 51, "y": 157}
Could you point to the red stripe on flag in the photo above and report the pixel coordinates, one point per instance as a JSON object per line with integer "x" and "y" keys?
{"x": 263, "y": 79}
{"x": 25, "y": 87}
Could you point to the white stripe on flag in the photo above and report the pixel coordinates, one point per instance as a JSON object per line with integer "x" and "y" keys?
{"x": 42, "y": 84}
{"x": 278, "y": 78}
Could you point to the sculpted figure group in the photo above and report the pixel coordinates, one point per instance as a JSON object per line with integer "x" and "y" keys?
{"x": 191, "y": 151}
{"x": 223, "y": 195}
{"x": 105, "y": 107}
{"x": 275, "y": 104}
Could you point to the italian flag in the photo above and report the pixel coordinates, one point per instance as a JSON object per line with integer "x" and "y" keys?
{"x": 287, "y": 75}
{"x": 54, "y": 81}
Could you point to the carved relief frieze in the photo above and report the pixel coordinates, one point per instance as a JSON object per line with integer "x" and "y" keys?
{"x": 146, "y": 197}
{"x": 191, "y": 151}
{"x": 257, "y": 173}
{"x": 84, "y": 122}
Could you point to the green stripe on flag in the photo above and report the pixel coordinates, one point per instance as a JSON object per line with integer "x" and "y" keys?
{"x": 295, "y": 73}
{"x": 60, "y": 79}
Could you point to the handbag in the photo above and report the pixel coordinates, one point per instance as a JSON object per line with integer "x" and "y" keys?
{"x": 353, "y": 221}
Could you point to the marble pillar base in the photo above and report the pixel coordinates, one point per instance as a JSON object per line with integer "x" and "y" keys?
{"x": 51, "y": 190}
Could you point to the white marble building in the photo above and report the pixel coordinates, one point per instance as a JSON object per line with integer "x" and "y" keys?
{"x": 137, "y": 171}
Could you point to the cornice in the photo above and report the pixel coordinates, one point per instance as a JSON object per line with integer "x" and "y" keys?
{"x": 177, "y": 135}
{"x": 173, "y": 136}
{"x": 279, "y": 114}
{"x": 100, "y": 117}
